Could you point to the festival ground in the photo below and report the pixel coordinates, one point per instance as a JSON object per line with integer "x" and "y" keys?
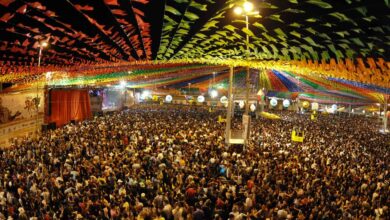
{"x": 171, "y": 162}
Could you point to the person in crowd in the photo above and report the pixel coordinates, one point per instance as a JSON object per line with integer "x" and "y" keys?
{"x": 171, "y": 162}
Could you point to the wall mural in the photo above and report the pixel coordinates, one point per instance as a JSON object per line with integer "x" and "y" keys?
{"x": 32, "y": 104}
{"x": 6, "y": 114}
{"x": 22, "y": 105}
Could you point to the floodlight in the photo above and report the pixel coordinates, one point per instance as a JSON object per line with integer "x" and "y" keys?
{"x": 214, "y": 93}
{"x": 238, "y": 10}
{"x": 248, "y": 6}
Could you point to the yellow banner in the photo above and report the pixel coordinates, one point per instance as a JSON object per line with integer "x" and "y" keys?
{"x": 220, "y": 119}
{"x": 296, "y": 138}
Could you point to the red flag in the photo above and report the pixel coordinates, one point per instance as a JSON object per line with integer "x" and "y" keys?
{"x": 38, "y": 5}
{"x": 6, "y": 17}
{"x": 11, "y": 29}
{"x": 50, "y": 13}
{"x": 111, "y": 2}
{"x": 139, "y": 12}
{"x": 22, "y": 9}
{"x": 84, "y": 8}
{"x": 118, "y": 12}
{"x": 142, "y": 1}
{"x": 6, "y": 2}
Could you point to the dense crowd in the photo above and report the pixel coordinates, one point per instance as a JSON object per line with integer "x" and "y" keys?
{"x": 166, "y": 162}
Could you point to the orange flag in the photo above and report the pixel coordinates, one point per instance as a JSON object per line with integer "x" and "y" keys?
{"x": 6, "y": 2}
{"x": 111, "y": 2}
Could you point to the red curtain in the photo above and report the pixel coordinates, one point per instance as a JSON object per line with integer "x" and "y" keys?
{"x": 67, "y": 105}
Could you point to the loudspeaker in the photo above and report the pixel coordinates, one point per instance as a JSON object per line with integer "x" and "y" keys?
{"x": 52, "y": 125}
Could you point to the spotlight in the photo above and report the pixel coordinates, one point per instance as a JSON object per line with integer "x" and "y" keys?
{"x": 44, "y": 44}
{"x": 48, "y": 75}
{"x": 238, "y": 10}
{"x": 214, "y": 93}
{"x": 248, "y": 6}
{"x": 123, "y": 84}
{"x": 145, "y": 94}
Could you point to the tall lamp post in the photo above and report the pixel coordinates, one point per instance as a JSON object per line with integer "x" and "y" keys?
{"x": 246, "y": 10}
{"x": 42, "y": 45}
{"x": 385, "y": 115}
{"x": 262, "y": 91}
{"x": 299, "y": 86}
{"x": 229, "y": 108}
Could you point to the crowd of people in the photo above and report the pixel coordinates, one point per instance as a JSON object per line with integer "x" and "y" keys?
{"x": 171, "y": 162}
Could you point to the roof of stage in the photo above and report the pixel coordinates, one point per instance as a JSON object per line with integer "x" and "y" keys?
{"x": 325, "y": 48}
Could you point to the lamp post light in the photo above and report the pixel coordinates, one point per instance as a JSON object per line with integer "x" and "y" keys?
{"x": 299, "y": 85}
{"x": 261, "y": 93}
{"x": 385, "y": 114}
{"x": 229, "y": 108}
{"x": 214, "y": 93}
{"x": 122, "y": 86}
{"x": 246, "y": 10}
{"x": 42, "y": 45}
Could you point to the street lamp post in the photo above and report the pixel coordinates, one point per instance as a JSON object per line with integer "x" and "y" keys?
{"x": 246, "y": 10}
{"x": 213, "y": 79}
{"x": 247, "y": 80}
{"x": 261, "y": 92}
{"x": 42, "y": 45}
{"x": 229, "y": 108}
{"x": 299, "y": 84}
{"x": 385, "y": 115}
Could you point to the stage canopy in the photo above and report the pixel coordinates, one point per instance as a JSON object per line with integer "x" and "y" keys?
{"x": 317, "y": 49}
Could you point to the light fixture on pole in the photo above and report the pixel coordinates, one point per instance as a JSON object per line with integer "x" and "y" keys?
{"x": 248, "y": 6}
{"x": 229, "y": 107}
{"x": 214, "y": 93}
{"x": 261, "y": 93}
{"x": 246, "y": 10}
{"x": 238, "y": 10}
{"x": 42, "y": 45}
{"x": 386, "y": 98}
{"x": 213, "y": 85}
{"x": 123, "y": 84}
{"x": 298, "y": 109}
